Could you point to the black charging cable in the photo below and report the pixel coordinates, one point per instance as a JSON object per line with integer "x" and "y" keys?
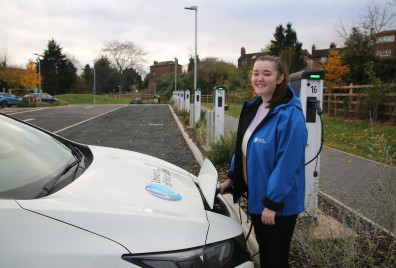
{"x": 320, "y": 112}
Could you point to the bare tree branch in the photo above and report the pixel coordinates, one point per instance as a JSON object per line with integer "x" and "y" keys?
{"x": 124, "y": 56}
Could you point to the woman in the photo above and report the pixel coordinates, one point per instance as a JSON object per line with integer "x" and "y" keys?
{"x": 269, "y": 160}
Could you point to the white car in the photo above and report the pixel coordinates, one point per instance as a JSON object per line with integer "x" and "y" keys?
{"x": 63, "y": 204}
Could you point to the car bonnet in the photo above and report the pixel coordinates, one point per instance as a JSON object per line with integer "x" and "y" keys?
{"x": 141, "y": 202}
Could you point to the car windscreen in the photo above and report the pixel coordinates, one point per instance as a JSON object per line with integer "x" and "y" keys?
{"x": 28, "y": 155}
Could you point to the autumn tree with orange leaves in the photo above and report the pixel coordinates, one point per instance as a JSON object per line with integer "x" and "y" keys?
{"x": 336, "y": 70}
{"x": 31, "y": 78}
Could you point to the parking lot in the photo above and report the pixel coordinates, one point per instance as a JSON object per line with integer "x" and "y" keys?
{"x": 148, "y": 129}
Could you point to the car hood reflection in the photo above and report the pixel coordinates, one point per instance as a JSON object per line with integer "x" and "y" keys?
{"x": 130, "y": 197}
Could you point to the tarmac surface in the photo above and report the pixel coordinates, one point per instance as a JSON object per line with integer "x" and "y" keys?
{"x": 148, "y": 129}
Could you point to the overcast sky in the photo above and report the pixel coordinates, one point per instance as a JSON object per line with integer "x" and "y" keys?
{"x": 164, "y": 29}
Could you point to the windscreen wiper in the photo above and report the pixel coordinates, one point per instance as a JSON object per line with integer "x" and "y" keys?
{"x": 49, "y": 185}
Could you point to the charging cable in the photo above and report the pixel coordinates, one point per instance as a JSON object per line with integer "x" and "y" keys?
{"x": 320, "y": 112}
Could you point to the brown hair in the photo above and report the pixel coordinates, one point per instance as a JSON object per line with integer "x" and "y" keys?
{"x": 280, "y": 66}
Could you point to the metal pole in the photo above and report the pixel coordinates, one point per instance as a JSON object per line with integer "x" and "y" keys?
{"x": 94, "y": 87}
{"x": 195, "y": 61}
{"x": 175, "y": 74}
{"x": 195, "y": 65}
{"x": 39, "y": 75}
{"x": 40, "y": 91}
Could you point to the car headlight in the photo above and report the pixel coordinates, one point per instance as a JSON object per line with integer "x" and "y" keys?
{"x": 229, "y": 253}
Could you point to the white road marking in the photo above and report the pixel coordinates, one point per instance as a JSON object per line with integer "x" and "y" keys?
{"x": 87, "y": 120}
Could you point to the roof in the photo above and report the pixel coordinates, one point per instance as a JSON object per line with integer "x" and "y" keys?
{"x": 163, "y": 63}
{"x": 251, "y": 56}
{"x": 393, "y": 31}
{"x": 319, "y": 53}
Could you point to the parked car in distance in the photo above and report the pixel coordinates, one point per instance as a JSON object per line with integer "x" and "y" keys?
{"x": 65, "y": 204}
{"x": 39, "y": 97}
{"x": 8, "y": 99}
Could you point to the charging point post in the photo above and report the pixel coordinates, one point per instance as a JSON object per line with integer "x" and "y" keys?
{"x": 197, "y": 105}
{"x": 181, "y": 100}
{"x": 187, "y": 101}
{"x": 218, "y": 110}
{"x": 308, "y": 86}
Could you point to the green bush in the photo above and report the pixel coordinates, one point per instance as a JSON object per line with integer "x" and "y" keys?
{"x": 223, "y": 150}
{"x": 200, "y": 127}
{"x": 136, "y": 102}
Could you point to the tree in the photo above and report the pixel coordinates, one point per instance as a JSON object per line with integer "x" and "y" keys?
{"x": 214, "y": 72}
{"x": 336, "y": 70}
{"x": 286, "y": 46}
{"x": 107, "y": 78}
{"x": 11, "y": 77}
{"x": 4, "y": 56}
{"x": 58, "y": 72}
{"x": 360, "y": 38}
{"x": 88, "y": 76}
{"x": 124, "y": 56}
{"x": 30, "y": 78}
{"x": 191, "y": 62}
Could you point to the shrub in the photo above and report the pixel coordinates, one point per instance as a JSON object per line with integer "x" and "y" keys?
{"x": 136, "y": 102}
{"x": 223, "y": 150}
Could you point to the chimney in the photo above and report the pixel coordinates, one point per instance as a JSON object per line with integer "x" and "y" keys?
{"x": 333, "y": 46}
{"x": 313, "y": 49}
{"x": 243, "y": 51}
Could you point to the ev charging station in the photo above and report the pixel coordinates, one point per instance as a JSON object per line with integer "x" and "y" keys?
{"x": 181, "y": 100}
{"x": 177, "y": 99}
{"x": 197, "y": 105}
{"x": 187, "y": 101}
{"x": 308, "y": 86}
{"x": 174, "y": 96}
{"x": 218, "y": 110}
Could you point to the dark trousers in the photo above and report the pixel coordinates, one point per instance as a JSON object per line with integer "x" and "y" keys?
{"x": 274, "y": 240}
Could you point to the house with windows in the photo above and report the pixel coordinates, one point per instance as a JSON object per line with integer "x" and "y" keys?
{"x": 385, "y": 45}
{"x": 160, "y": 68}
{"x": 247, "y": 59}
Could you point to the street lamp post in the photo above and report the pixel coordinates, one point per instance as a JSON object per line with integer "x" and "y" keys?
{"x": 175, "y": 73}
{"x": 195, "y": 61}
{"x": 94, "y": 86}
{"x": 39, "y": 69}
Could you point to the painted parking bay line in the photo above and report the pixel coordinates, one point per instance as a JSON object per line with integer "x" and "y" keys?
{"x": 60, "y": 130}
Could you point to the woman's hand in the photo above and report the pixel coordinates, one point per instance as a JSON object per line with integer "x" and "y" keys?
{"x": 268, "y": 217}
{"x": 225, "y": 185}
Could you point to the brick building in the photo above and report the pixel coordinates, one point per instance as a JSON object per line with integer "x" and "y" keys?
{"x": 160, "y": 68}
{"x": 247, "y": 59}
{"x": 318, "y": 57}
{"x": 385, "y": 45}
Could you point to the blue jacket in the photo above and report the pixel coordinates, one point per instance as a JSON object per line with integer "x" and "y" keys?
{"x": 275, "y": 158}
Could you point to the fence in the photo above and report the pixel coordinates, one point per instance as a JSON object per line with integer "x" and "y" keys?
{"x": 353, "y": 102}
{"x": 132, "y": 96}
{"x": 347, "y": 101}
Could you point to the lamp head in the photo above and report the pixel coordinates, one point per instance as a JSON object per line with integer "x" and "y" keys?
{"x": 192, "y": 8}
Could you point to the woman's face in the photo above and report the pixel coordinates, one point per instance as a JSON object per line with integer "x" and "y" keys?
{"x": 265, "y": 78}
